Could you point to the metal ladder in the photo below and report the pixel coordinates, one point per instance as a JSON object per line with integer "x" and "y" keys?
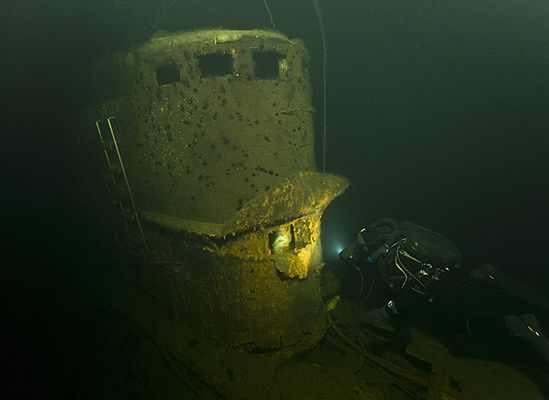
{"x": 124, "y": 197}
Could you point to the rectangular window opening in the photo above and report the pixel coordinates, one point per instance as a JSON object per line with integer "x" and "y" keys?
{"x": 215, "y": 64}
{"x": 282, "y": 240}
{"x": 267, "y": 64}
{"x": 167, "y": 73}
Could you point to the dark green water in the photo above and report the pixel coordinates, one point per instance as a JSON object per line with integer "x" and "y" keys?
{"x": 437, "y": 113}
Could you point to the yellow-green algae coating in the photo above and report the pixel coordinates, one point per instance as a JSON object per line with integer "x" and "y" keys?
{"x": 219, "y": 164}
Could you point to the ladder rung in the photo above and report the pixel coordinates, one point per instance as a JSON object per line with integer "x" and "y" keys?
{"x": 129, "y": 214}
{"x": 108, "y": 145}
{"x": 116, "y": 169}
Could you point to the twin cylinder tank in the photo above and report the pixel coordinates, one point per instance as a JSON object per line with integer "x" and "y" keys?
{"x": 209, "y": 144}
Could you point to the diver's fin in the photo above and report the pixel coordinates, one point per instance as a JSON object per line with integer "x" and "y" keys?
{"x": 527, "y": 326}
{"x": 522, "y": 291}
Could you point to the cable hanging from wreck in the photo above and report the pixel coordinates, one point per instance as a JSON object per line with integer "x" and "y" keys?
{"x": 270, "y": 14}
{"x": 324, "y": 57}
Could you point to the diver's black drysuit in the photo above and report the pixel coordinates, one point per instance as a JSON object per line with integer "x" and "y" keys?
{"x": 423, "y": 270}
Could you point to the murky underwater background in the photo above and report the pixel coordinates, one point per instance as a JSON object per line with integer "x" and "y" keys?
{"x": 437, "y": 113}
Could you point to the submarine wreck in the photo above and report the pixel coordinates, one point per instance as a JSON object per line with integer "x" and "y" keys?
{"x": 207, "y": 141}
{"x": 212, "y": 196}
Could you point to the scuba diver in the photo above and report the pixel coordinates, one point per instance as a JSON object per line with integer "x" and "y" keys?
{"x": 422, "y": 272}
